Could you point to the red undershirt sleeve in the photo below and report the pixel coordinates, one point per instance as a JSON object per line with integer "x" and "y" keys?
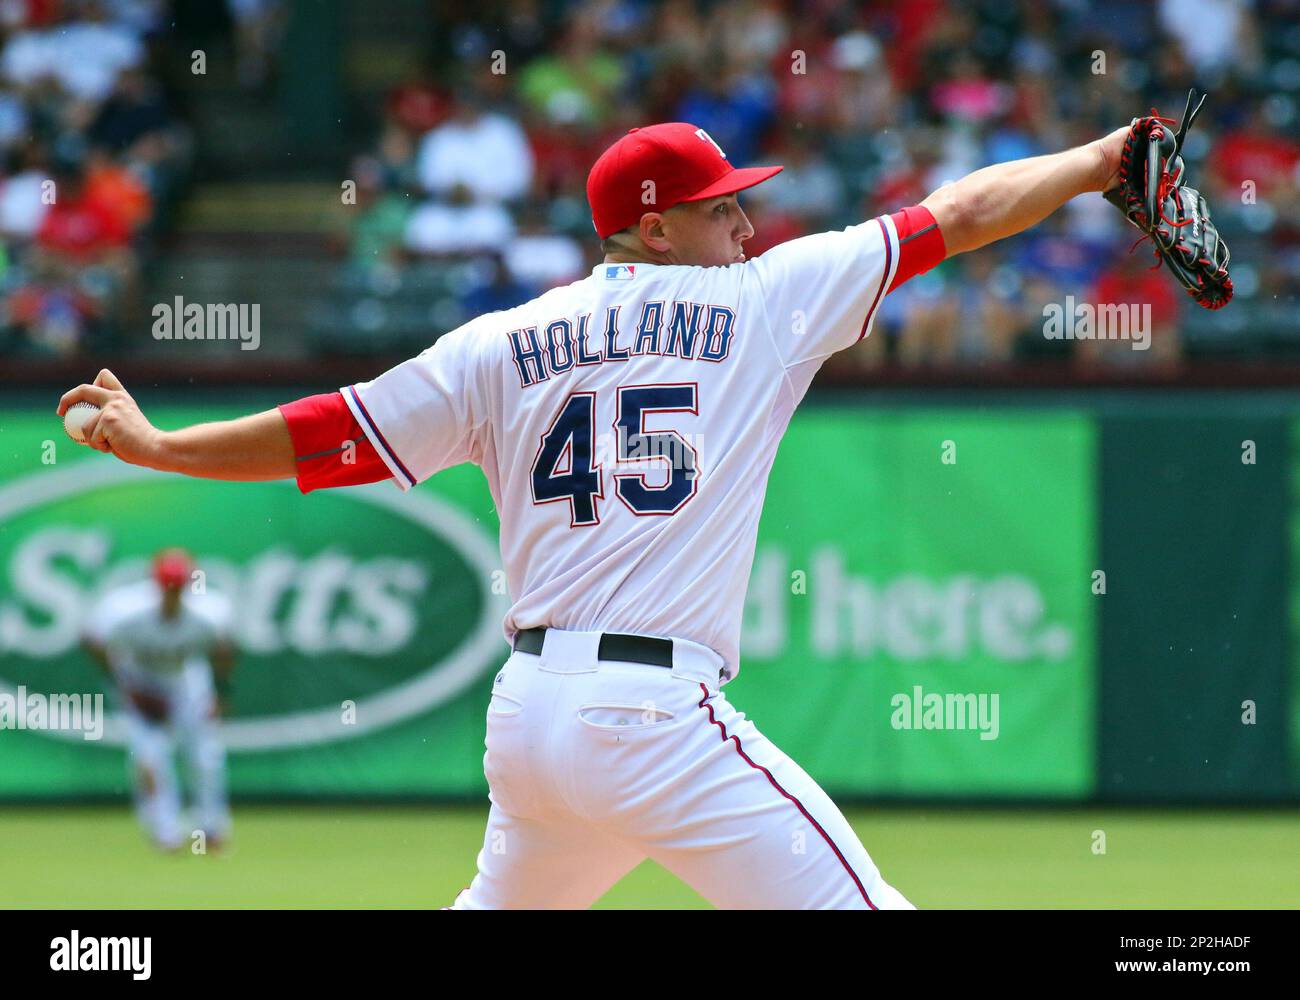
{"x": 329, "y": 445}
{"x": 920, "y": 243}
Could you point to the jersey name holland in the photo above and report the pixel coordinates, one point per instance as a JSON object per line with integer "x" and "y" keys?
{"x": 627, "y": 424}
{"x": 685, "y": 330}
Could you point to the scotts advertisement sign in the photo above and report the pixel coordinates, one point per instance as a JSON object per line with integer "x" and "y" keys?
{"x": 919, "y": 618}
{"x": 360, "y": 614}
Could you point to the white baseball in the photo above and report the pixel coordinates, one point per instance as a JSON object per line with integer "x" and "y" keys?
{"x": 78, "y": 415}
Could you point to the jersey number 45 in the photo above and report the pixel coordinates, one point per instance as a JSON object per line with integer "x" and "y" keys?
{"x": 568, "y": 466}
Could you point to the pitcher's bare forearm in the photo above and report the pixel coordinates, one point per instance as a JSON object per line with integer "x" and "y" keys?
{"x": 247, "y": 449}
{"x": 252, "y": 448}
{"x": 1004, "y": 199}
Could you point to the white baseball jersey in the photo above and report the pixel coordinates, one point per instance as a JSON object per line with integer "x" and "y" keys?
{"x": 627, "y": 424}
{"x": 151, "y": 651}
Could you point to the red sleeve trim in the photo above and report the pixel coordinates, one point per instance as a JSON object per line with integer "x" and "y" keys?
{"x": 920, "y": 243}
{"x": 329, "y": 445}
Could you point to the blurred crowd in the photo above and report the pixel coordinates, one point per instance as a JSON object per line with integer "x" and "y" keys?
{"x": 90, "y": 156}
{"x": 471, "y": 189}
{"x": 94, "y": 153}
{"x": 870, "y": 106}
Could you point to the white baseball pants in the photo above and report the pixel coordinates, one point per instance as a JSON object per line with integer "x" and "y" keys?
{"x": 193, "y": 727}
{"x": 594, "y": 766}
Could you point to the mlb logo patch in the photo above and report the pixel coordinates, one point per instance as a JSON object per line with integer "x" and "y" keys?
{"x": 620, "y": 272}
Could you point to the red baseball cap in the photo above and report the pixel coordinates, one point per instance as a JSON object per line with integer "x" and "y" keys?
{"x": 652, "y": 169}
{"x": 172, "y": 567}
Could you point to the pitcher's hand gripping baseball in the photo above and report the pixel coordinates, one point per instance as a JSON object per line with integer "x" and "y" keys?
{"x": 119, "y": 427}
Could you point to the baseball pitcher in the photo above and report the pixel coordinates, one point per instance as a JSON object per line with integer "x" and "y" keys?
{"x": 626, "y": 424}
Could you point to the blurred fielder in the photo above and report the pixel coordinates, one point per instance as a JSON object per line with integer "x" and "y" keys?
{"x": 169, "y": 652}
{"x": 626, "y": 424}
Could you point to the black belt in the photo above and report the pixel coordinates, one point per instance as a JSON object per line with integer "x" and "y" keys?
{"x": 613, "y": 646}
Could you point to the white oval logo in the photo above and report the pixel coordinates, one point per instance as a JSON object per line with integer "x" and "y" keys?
{"x": 482, "y": 648}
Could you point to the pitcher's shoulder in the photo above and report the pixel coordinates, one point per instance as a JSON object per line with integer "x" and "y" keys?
{"x": 552, "y": 302}
{"x": 489, "y": 333}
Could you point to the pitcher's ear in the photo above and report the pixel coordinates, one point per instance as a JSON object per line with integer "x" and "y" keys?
{"x": 651, "y": 231}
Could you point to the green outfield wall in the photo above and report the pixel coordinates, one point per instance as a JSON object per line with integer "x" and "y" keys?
{"x": 974, "y": 600}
